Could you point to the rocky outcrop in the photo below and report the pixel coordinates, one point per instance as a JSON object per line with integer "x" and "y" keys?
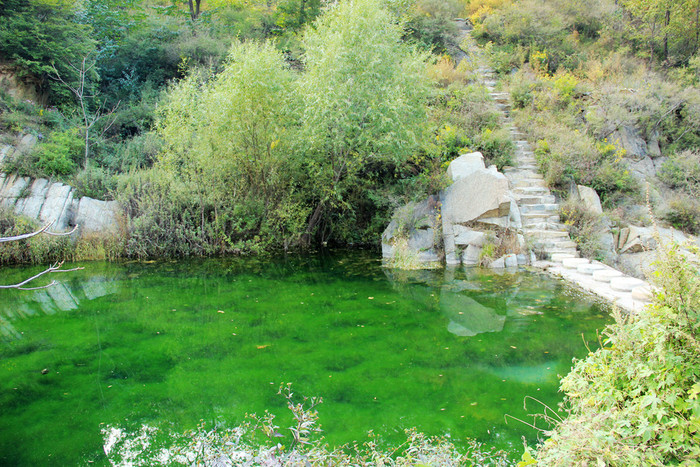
{"x": 418, "y": 225}
{"x": 56, "y": 203}
{"x": 476, "y": 209}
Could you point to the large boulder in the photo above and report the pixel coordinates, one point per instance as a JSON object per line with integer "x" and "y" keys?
{"x": 464, "y": 165}
{"x": 484, "y": 194}
{"x": 589, "y": 199}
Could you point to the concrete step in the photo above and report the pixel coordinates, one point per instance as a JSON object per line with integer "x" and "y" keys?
{"x": 534, "y": 219}
{"x": 543, "y": 226}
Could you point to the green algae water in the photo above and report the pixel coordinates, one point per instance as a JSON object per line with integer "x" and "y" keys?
{"x": 449, "y": 351}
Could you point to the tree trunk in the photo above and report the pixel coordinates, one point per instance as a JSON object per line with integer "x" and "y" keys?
{"x": 313, "y": 222}
{"x": 666, "y": 24}
{"x": 194, "y": 8}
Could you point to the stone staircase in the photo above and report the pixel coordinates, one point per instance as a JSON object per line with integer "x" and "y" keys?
{"x": 542, "y": 228}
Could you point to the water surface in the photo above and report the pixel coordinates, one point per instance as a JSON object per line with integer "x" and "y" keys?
{"x": 447, "y": 351}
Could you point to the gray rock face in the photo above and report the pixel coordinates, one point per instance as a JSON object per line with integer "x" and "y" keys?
{"x": 54, "y": 203}
{"x": 629, "y": 138}
{"x": 97, "y": 216}
{"x": 419, "y": 219}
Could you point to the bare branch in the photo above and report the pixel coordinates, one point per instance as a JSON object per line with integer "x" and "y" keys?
{"x": 62, "y": 234}
{"x": 32, "y": 234}
{"x": 51, "y": 269}
{"x": 23, "y": 236}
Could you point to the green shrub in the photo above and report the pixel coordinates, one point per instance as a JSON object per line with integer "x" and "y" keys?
{"x": 584, "y": 228}
{"x": 635, "y": 400}
{"x": 59, "y": 155}
{"x": 684, "y": 214}
{"x": 496, "y": 146}
{"x": 682, "y": 171}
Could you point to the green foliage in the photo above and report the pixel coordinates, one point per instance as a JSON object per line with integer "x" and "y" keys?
{"x": 635, "y": 400}
{"x": 684, "y": 213}
{"x": 496, "y": 146}
{"x": 363, "y": 102}
{"x": 36, "y": 34}
{"x": 431, "y": 25}
{"x": 584, "y": 228}
{"x": 682, "y": 171}
{"x": 40, "y": 249}
{"x": 224, "y": 179}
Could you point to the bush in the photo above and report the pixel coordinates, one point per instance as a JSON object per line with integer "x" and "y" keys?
{"x": 682, "y": 171}
{"x": 684, "y": 214}
{"x": 496, "y": 146}
{"x": 635, "y": 400}
{"x": 584, "y": 228}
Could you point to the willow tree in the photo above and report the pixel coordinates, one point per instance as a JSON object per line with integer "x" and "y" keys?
{"x": 226, "y": 146}
{"x": 363, "y": 94}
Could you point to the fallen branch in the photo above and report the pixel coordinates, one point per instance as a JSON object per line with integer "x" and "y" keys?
{"x": 51, "y": 269}
{"x": 32, "y": 234}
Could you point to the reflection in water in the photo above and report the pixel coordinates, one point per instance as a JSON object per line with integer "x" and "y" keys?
{"x": 61, "y": 297}
{"x": 467, "y": 316}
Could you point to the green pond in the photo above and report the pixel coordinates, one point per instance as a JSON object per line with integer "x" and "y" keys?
{"x": 449, "y": 351}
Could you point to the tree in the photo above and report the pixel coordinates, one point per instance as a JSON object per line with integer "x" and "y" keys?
{"x": 37, "y": 34}
{"x": 81, "y": 89}
{"x": 227, "y": 137}
{"x": 364, "y": 100}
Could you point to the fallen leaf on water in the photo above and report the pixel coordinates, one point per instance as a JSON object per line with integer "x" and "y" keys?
{"x": 263, "y": 346}
{"x": 370, "y": 298}
{"x": 513, "y": 347}
{"x": 219, "y": 311}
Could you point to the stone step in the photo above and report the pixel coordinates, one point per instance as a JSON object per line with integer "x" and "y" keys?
{"x": 559, "y": 257}
{"x": 543, "y": 226}
{"x": 541, "y": 207}
{"x": 589, "y": 269}
{"x": 536, "y": 190}
{"x": 566, "y": 251}
{"x": 550, "y": 234}
{"x": 625, "y": 284}
{"x": 606, "y": 275}
{"x": 529, "y": 182}
{"x": 529, "y": 200}
{"x": 574, "y": 263}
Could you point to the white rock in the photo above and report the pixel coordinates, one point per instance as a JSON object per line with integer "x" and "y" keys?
{"x": 643, "y": 293}
{"x": 464, "y": 165}
{"x": 559, "y": 257}
{"x": 589, "y": 199}
{"x": 511, "y": 261}
{"x": 466, "y": 236}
